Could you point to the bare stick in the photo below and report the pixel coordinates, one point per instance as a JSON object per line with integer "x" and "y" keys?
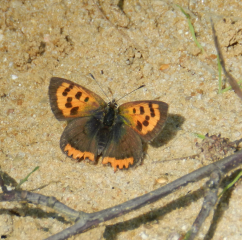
{"x": 233, "y": 83}
{"x": 210, "y": 199}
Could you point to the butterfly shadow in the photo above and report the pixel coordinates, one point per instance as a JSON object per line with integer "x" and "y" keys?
{"x": 172, "y": 126}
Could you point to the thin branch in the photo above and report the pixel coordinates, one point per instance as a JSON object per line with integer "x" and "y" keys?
{"x": 233, "y": 83}
{"x": 210, "y": 199}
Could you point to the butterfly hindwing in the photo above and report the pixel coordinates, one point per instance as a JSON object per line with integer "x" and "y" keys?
{"x": 79, "y": 139}
{"x": 147, "y": 118}
{"x": 69, "y": 100}
{"x": 124, "y": 147}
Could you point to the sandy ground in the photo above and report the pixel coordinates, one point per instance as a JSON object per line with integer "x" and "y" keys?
{"x": 149, "y": 43}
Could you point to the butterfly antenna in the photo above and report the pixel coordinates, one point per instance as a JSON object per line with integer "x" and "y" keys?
{"x": 131, "y": 92}
{"x": 99, "y": 86}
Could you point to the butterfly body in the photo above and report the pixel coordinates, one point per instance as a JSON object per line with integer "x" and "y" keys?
{"x": 96, "y": 128}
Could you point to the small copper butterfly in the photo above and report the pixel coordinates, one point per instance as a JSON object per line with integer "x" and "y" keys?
{"x": 96, "y": 127}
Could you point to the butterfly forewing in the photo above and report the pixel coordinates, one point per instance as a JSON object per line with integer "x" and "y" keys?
{"x": 69, "y": 100}
{"x": 147, "y": 118}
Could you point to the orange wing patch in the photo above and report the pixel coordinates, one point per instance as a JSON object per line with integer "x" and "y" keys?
{"x": 118, "y": 163}
{"x": 74, "y": 101}
{"x": 76, "y": 154}
{"x": 143, "y": 116}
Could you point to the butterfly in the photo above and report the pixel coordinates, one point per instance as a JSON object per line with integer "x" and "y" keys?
{"x": 97, "y": 128}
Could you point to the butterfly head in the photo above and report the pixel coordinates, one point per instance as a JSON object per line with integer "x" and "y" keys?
{"x": 113, "y": 104}
{"x": 110, "y": 113}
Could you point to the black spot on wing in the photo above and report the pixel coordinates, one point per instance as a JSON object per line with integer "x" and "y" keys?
{"x": 142, "y": 110}
{"x": 152, "y": 110}
{"x": 78, "y": 95}
{"x": 74, "y": 111}
{"x": 69, "y": 99}
{"x": 68, "y": 105}
{"x": 139, "y": 126}
{"x": 65, "y": 93}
